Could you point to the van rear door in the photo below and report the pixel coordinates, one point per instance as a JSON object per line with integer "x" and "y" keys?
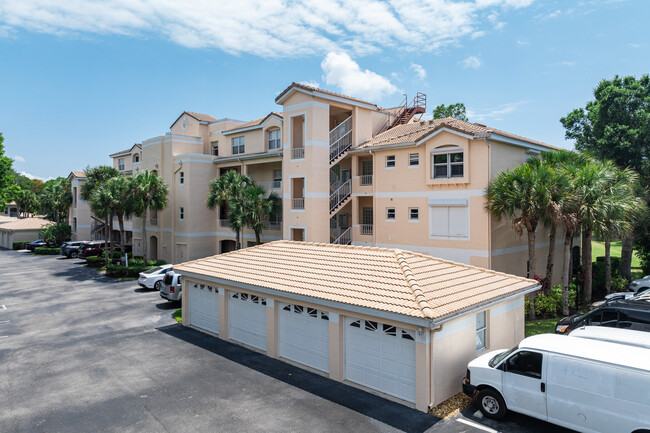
{"x": 524, "y": 383}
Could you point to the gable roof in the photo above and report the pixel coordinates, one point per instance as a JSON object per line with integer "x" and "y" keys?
{"x": 326, "y": 93}
{"x": 198, "y": 116}
{"x": 25, "y": 224}
{"x": 253, "y": 124}
{"x": 390, "y": 280}
{"x": 413, "y": 133}
{"x": 126, "y": 151}
{"x": 77, "y": 174}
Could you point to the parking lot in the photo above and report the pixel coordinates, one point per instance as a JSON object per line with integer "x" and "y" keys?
{"x": 81, "y": 352}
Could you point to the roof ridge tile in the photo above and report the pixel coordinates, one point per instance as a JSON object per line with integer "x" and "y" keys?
{"x": 420, "y": 299}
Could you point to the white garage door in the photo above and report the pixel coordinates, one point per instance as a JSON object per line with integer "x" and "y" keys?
{"x": 204, "y": 307}
{"x": 304, "y": 335}
{"x": 247, "y": 319}
{"x": 381, "y": 357}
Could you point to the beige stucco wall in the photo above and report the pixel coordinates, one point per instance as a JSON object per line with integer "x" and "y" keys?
{"x": 81, "y": 211}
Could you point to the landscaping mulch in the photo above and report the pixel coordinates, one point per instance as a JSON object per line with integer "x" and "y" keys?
{"x": 452, "y": 406}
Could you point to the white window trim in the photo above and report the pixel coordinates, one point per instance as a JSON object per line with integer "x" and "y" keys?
{"x": 447, "y": 150}
{"x": 391, "y": 220}
{"x": 181, "y": 213}
{"x": 394, "y": 163}
{"x": 484, "y": 329}
{"x": 268, "y": 139}
{"x": 232, "y": 143}
{"x": 451, "y": 203}
{"x": 181, "y": 178}
{"x": 414, "y": 165}
{"x": 414, "y": 220}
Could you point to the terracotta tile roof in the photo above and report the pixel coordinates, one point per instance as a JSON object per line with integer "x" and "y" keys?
{"x": 6, "y": 219}
{"x": 318, "y": 90}
{"x": 81, "y": 174}
{"x": 129, "y": 150}
{"x": 255, "y": 122}
{"x": 413, "y": 132}
{"x": 25, "y": 224}
{"x": 201, "y": 117}
{"x": 392, "y": 280}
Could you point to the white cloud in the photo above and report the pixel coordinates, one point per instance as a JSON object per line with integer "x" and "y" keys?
{"x": 570, "y": 64}
{"x": 265, "y": 28}
{"x": 341, "y": 71}
{"x": 494, "y": 113}
{"x": 19, "y": 158}
{"x": 522, "y": 43}
{"x": 633, "y": 45}
{"x": 419, "y": 71}
{"x": 471, "y": 62}
{"x": 477, "y": 35}
{"x": 310, "y": 83}
{"x": 31, "y": 176}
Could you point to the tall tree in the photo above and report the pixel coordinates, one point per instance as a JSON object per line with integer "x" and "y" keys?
{"x": 453, "y": 110}
{"x": 101, "y": 204}
{"x": 148, "y": 191}
{"x": 56, "y": 198}
{"x": 8, "y": 188}
{"x": 95, "y": 177}
{"x": 227, "y": 190}
{"x": 27, "y": 202}
{"x": 616, "y": 126}
{"x": 119, "y": 188}
{"x": 257, "y": 209}
{"x": 521, "y": 194}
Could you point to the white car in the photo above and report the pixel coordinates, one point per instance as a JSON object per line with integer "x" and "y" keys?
{"x": 622, "y": 295}
{"x": 153, "y": 278}
{"x": 640, "y": 284}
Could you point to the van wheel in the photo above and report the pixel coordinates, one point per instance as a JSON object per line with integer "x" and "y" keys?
{"x": 491, "y": 404}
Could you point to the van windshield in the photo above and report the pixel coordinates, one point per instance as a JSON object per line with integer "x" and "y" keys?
{"x": 501, "y": 356}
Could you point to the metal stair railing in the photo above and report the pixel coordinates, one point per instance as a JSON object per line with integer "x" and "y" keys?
{"x": 345, "y": 237}
{"x": 337, "y": 197}
{"x": 340, "y": 138}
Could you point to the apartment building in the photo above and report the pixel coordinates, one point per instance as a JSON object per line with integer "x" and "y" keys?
{"x": 347, "y": 172}
{"x": 84, "y": 226}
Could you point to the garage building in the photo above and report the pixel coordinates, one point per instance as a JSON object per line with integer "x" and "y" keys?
{"x": 21, "y": 230}
{"x": 396, "y": 322}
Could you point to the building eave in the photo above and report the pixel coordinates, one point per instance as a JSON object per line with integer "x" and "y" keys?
{"x": 219, "y": 160}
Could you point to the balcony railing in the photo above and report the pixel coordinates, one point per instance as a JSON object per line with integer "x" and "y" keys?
{"x": 366, "y": 179}
{"x": 338, "y": 196}
{"x": 298, "y": 153}
{"x": 271, "y": 184}
{"x": 366, "y": 229}
{"x": 298, "y": 203}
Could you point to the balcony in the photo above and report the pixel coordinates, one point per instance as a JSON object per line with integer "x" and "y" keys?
{"x": 271, "y": 184}
{"x": 298, "y": 153}
{"x": 298, "y": 203}
{"x": 366, "y": 229}
{"x": 269, "y": 225}
{"x": 366, "y": 180}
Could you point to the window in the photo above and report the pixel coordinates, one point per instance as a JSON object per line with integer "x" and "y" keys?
{"x": 120, "y": 164}
{"x": 277, "y": 179}
{"x": 414, "y": 214}
{"x": 237, "y": 145}
{"x": 136, "y": 157}
{"x": 447, "y": 165}
{"x": 414, "y": 160}
{"x": 274, "y": 139}
{"x": 390, "y": 161}
{"x": 181, "y": 176}
{"x": 181, "y": 213}
{"x": 526, "y": 364}
{"x": 214, "y": 148}
{"x": 390, "y": 214}
{"x": 449, "y": 221}
{"x": 481, "y": 328}
{"x": 74, "y": 224}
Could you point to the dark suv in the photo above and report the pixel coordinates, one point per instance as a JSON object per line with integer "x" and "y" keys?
{"x": 632, "y": 313}
{"x": 71, "y": 249}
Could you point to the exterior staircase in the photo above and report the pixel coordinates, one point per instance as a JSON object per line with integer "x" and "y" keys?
{"x": 406, "y": 112}
{"x": 340, "y": 139}
{"x": 340, "y": 196}
{"x": 345, "y": 238}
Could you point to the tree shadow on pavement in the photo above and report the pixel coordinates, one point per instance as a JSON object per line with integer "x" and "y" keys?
{"x": 388, "y": 412}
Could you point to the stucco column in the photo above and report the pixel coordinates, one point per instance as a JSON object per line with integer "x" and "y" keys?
{"x": 337, "y": 327}
{"x": 422, "y": 370}
{"x": 223, "y": 313}
{"x": 271, "y": 328}
{"x": 185, "y": 310}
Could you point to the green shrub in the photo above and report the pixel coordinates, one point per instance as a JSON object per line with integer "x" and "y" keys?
{"x": 45, "y": 251}
{"x": 19, "y": 245}
{"x": 599, "y": 272}
{"x": 140, "y": 261}
{"x": 550, "y": 304}
{"x": 619, "y": 284}
{"x": 95, "y": 262}
{"x": 56, "y": 233}
{"x": 120, "y": 271}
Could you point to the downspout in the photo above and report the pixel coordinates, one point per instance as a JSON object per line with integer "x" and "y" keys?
{"x": 432, "y": 377}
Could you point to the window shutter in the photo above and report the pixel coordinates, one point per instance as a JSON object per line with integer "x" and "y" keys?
{"x": 439, "y": 221}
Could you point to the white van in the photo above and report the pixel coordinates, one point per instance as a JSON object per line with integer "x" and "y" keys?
{"x": 582, "y": 384}
{"x": 613, "y": 335}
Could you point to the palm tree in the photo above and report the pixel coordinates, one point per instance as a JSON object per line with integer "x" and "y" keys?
{"x": 27, "y": 202}
{"x": 101, "y": 204}
{"x": 57, "y": 198}
{"x": 258, "y": 209}
{"x": 95, "y": 177}
{"x": 122, "y": 203}
{"x": 148, "y": 191}
{"x": 521, "y": 194}
{"x": 227, "y": 190}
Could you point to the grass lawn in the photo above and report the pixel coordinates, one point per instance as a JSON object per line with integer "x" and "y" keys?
{"x": 178, "y": 315}
{"x": 598, "y": 250}
{"x": 541, "y": 326}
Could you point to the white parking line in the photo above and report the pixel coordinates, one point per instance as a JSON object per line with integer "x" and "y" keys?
{"x": 4, "y": 321}
{"x": 4, "y": 336}
{"x": 477, "y": 425}
{"x": 3, "y": 307}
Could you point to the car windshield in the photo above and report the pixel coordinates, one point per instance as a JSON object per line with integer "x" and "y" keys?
{"x": 501, "y": 356}
{"x": 154, "y": 270}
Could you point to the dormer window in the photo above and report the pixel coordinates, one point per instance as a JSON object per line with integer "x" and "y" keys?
{"x": 136, "y": 157}
{"x": 274, "y": 139}
{"x": 448, "y": 163}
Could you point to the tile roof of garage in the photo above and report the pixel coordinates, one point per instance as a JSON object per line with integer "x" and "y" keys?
{"x": 392, "y": 280}
{"x": 25, "y": 224}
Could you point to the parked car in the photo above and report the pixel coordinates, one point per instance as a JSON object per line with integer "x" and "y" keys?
{"x": 71, "y": 249}
{"x": 172, "y": 287}
{"x": 621, "y": 295}
{"x": 613, "y": 335}
{"x": 95, "y": 248}
{"x": 153, "y": 278}
{"x": 35, "y": 244}
{"x": 641, "y": 283}
{"x": 633, "y": 313}
{"x": 578, "y": 383}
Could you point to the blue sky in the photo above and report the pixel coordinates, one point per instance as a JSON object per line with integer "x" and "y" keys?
{"x": 84, "y": 79}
